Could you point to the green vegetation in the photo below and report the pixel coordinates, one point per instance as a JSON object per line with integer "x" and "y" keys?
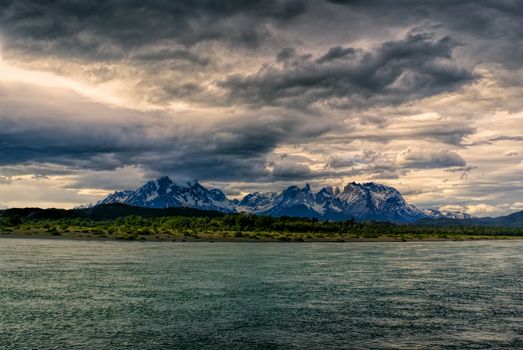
{"x": 196, "y": 226}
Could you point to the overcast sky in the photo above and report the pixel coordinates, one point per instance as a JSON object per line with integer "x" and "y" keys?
{"x": 425, "y": 96}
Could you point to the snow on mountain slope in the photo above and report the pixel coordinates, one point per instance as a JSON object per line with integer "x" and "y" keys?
{"x": 367, "y": 201}
{"x": 445, "y": 214}
{"x": 164, "y": 193}
{"x": 371, "y": 201}
{"x": 257, "y": 202}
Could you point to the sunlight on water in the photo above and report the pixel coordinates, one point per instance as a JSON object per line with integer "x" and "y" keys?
{"x": 58, "y": 294}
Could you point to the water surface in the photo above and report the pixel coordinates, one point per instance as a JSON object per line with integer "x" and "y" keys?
{"x": 59, "y": 294}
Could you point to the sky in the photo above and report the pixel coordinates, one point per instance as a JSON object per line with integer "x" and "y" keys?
{"x": 422, "y": 95}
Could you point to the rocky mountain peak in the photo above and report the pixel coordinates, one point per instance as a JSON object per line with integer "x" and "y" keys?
{"x": 367, "y": 201}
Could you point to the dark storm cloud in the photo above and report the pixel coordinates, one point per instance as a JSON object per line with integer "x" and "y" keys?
{"x": 109, "y": 29}
{"x": 494, "y": 23}
{"x": 111, "y": 145}
{"x": 340, "y": 162}
{"x": 335, "y": 53}
{"x": 397, "y": 71}
{"x": 464, "y": 170}
{"x": 171, "y": 55}
{"x": 448, "y": 133}
{"x": 231, "y": 151}
{"x": 192, "y": 156}
{"x": 430, "y": 159}
{"x": 34, "y": 141}
{"x": 74, "y": 144}
{"x": 301, "y": 73}
{"x": 164, "y": 50}
{"x": 89, "y": 136}
{"x": 451, "y": 133}
{"x": 291, "y": 171}
{"x": 103, "y": 30}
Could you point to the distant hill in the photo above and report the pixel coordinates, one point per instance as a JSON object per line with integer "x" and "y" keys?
{"x": 104, "y": 212}
{"x": 511, "y": 220}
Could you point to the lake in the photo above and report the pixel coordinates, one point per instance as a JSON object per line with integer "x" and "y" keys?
{"x": 64, "y": 294}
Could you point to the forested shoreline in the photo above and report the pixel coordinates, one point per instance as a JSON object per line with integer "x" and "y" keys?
{"x": 134, "y": 224}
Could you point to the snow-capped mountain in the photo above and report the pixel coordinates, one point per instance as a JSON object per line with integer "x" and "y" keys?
{"x": 445, "y": 214}
{"x": 257, "y": 202}
{"x": 369, "y": 201}
{"x": 362, "y": 202}
{"x": 164, "y": 193}
{"x": 293, "y": 201}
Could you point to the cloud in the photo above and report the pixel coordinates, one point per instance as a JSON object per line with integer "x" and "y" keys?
{"x": 168, "y": 54}
{"x": 336, "y": 53}
{"x": 26, "y": 191}
{"x": 108, "y": 30}
{"x": 47, "y": 139}
{"x": 5, "y": 180}
{"x": 484, "y": 209}
{"x": 340, "y": 162}
{"x": 395, "y": 72}
{"x": 429, "y": 159}
{"x": 454, "y": 208}
{"x": 491, "y": 27}
{"x": 257, "y": 95}
{"x": 158, "y": 50}
{"x": 288, "y": 170}
{"x": 464, "y": 170}
{"x": 517, "y": 206}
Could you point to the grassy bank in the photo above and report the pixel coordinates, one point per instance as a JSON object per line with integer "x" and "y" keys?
{"x": 239, "y": 228}
{"x": 121, "y": 222}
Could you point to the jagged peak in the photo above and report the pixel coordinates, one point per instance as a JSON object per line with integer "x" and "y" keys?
{"x": 217, "y": 194}
{"x": 163, "y": 192}
{"x": 260, "y": 194}
{"x": 327, "y": 189}
{"x": 292, "y": 188}
{"x": 196, "y": 185}
{"x": 166, "y": 181}
{"x": 216, "y": 190}
{"x": 296, "y": 189}
{"x": 158, "y": 182}
{"x": 163, "y": 178}
{"x": 350, "y": 186}
{"x": 364, "y": 201}
{"x": 368, "y": 186}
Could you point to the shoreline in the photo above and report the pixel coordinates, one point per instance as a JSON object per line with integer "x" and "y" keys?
{"x": 383, "y": 239}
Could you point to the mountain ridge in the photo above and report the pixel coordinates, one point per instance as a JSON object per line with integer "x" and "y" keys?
{"x": 363, "y": 202}
{"x": 118, "y": 210}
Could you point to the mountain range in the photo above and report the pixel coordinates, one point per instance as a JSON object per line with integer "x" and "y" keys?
{"x": 362, "y": 202}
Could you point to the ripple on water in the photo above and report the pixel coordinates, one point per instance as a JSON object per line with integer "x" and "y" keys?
{"x": 118, "y": 295}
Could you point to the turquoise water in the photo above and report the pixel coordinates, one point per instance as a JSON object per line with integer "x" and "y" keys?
{"x": 58, "y": 294}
